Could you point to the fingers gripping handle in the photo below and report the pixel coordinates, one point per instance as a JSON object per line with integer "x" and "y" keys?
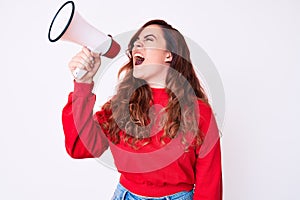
{"x": 113, "y": 50}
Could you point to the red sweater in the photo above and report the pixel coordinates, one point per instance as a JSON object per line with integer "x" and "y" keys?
{"x": 141, "y": 172}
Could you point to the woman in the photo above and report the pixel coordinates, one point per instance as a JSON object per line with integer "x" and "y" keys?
{"x": 159, "y": 125}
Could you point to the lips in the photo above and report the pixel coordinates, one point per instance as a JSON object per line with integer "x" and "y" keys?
{"x": 138, "y": 58}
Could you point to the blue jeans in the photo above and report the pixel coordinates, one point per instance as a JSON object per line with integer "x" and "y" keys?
{"x": 122, "y": 193}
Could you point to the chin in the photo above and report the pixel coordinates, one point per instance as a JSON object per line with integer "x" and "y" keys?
{"x": 137, "y": 73}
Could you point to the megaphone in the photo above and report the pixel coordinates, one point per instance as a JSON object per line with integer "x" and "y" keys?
{"x": 68, "y": 25}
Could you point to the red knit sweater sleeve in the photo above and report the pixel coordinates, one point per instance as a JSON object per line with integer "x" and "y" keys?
{"x": 84, "y": 137}
{"x": 208, "y": 184}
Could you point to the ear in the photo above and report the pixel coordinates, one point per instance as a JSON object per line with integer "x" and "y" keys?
{"x": 168, "y": 57}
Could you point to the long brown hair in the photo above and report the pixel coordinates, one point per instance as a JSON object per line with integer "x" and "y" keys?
{"x": 131, "y": 105}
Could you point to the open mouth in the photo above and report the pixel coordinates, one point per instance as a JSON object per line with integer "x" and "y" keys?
{"x": 139, "y": 59}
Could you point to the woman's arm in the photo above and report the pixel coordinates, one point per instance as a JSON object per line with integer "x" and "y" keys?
{"x": 208, "y": 168}
{"x": 209, "y": 175}
{"x": 84, "y": 137}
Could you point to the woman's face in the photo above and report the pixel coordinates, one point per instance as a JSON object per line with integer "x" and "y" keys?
{"x": 150, "y": 57}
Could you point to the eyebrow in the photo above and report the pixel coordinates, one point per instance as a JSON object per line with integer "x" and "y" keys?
{"x": 149, "y": 35}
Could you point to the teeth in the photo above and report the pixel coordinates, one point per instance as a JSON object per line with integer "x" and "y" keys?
{"x": 138, "y": 55}
{"x": 139, "y": 58}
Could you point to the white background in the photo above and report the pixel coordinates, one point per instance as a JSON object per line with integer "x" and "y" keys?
{"x": 255, "y": 46}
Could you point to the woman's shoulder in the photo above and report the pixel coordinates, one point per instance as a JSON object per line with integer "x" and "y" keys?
{"x": 204, "y": 107}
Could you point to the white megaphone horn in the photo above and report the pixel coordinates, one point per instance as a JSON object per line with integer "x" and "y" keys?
{"x": 68, "y": 25}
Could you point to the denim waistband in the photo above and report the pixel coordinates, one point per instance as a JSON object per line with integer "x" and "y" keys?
{"x": 121, "y": 193}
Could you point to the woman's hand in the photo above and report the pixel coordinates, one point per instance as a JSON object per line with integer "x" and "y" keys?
{"x": 88, "y": 61}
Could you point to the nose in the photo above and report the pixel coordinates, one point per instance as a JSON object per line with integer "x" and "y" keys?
{"x": 138, "y": 44}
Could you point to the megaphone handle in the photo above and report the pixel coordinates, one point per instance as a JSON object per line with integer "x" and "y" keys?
{"x": 79, "y": 73}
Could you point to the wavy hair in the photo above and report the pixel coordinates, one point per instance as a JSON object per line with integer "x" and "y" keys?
{"x": 131, "y": 105}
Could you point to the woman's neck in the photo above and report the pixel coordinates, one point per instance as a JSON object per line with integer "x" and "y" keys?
{"x": 156, "y": 84}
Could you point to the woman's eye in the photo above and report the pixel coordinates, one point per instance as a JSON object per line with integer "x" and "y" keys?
{"x": 149, "y": 39}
